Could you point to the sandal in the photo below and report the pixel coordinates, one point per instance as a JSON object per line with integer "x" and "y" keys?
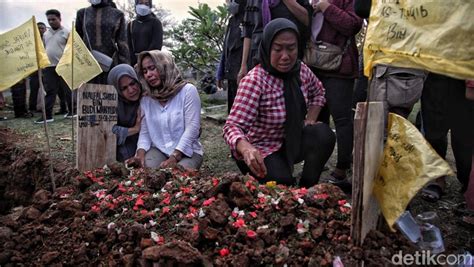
{"x": 432, "y": 193}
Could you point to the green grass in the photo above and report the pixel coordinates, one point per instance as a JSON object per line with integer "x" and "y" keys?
{"x": 216, "y": 158}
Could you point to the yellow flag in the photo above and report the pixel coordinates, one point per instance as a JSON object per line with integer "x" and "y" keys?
{"x": 423, "y": 34}
{"x": 409, "y": 163}
{"x": 85, "y": 65}
{"x": 21, "y": 53}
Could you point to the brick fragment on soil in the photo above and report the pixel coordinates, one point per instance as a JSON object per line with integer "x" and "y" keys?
{"x": 176, "y": 252}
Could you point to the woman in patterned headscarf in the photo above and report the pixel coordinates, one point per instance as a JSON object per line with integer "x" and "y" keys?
{"x": 169, "y": 132}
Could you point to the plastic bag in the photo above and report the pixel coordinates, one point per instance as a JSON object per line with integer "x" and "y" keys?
{"x": 423, "y": 34}
{"x": 409, "y": 162}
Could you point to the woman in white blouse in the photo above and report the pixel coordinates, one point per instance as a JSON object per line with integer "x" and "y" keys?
{"x": 170, "y": 126}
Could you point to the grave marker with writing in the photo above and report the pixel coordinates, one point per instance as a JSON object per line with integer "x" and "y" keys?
{"x": 97, "y": 114}
{"x": 21, "y": 53}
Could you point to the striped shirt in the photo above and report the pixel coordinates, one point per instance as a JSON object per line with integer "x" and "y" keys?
{"x": 258, "y": 113}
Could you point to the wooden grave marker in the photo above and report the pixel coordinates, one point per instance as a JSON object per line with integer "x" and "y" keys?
{"x": 368, "y": 153}
{"x": 97, "y": 114}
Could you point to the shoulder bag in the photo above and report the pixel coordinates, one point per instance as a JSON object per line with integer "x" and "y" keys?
{"x": 324, "y": 56}
{"x": 104, "y": 61}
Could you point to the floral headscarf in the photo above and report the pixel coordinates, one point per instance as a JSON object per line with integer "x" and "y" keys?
{"x": 171, "y": 79}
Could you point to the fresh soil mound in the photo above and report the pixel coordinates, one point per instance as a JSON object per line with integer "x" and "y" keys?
{"x": 118, "y": 217}
{"x": 23, "y": 172}
{"x": 115, "y": 217}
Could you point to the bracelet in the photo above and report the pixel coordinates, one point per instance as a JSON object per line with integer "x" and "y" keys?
{"x": 175, "y": 158}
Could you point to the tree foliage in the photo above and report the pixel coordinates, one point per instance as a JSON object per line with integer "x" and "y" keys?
{"x": 198, "y": 41}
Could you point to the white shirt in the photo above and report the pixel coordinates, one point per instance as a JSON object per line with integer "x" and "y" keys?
{"x": 55, "y": 42}
{"x": 173, "y": 126}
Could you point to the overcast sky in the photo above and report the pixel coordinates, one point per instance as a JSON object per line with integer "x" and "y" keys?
{"x": 15, "y": 12}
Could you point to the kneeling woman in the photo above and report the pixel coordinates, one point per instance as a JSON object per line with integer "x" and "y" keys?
{"x": 171, "y": 121}
{"x": 125, "y": 81}
{"x": 273, "y": 122}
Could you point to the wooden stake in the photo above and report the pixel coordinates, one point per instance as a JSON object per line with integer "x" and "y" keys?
{"x": 72, "y": 89}
{"x": 43, "y": 108}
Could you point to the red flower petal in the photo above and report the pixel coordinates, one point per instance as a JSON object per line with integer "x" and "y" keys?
{"x": 224, "y": 252}
{"x": 139, "y": 202}
{"x": 185, "y": 190}
{"x": 95, "y": 209}
{"x": 239, "y": 223}
{"x": 208, "y": 201}
{"x": 166, "y": 201}
{"x": 321, "y": 196}
{"x": 251, "y": 234}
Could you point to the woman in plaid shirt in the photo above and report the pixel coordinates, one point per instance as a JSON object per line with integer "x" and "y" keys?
{"x": 273, "y": 122}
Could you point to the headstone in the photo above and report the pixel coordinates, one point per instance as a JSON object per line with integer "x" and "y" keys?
{"x": 97, "y": 114}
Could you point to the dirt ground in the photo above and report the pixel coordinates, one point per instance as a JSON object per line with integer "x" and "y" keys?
{"x": 23, "y": 165}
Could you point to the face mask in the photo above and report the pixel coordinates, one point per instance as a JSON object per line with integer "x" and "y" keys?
{"x": 142, "y": 10}
{"x": 233, "y": 8}
{"x": 95, "y": 2}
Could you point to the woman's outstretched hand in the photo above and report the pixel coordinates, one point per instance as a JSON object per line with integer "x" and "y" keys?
{"x": 139, "y": 159}
{"x": 252, "y": 158}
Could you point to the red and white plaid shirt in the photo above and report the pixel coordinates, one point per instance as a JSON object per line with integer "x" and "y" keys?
{"x": 258, "y": 113}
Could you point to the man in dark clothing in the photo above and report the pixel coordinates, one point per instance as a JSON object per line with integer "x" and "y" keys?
{"x": 258, "y": 13}
{"x": 145, "y": 33}
{"x": 109, "y": 37}
{"x": 231, "y": 57}
{"x": 444, "y": 107}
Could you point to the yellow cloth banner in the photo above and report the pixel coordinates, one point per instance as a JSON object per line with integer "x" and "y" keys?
{"x": 409, "y": 162}
{"x": 21, "y": 53}
{"x": 433, "y": 35}
{"x": 85, "y": 65}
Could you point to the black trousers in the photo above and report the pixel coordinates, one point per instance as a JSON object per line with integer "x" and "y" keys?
{"x": 339, "y": 93}
{"x": 34, "y": 89}
{"x": 444, "y": 107}
{"x": 316, "y": 148}
{"x": 53, "y": 83}
{"x": 231, "y": 93}
{"x": 19, "y": 98}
